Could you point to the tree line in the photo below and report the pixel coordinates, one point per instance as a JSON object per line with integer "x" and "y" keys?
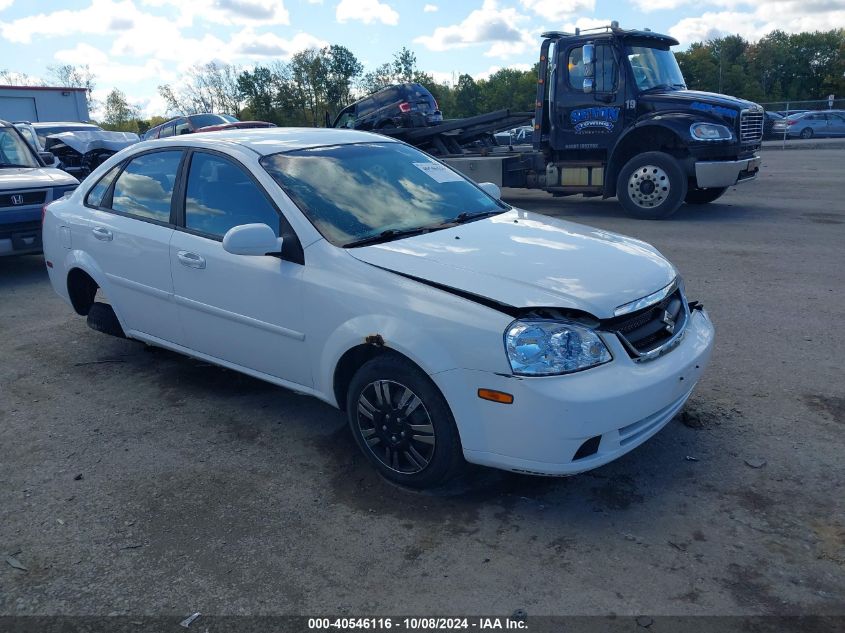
{"x": 298, "y": 92}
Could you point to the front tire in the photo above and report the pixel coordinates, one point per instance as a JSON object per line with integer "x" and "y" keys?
{"x": 651, "y": 186}
{"x": 403, "y": 424}
{"x": 703, "y": 196}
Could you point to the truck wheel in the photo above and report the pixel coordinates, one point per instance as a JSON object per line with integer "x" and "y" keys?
{"x": 403, "y": 424}
{"x": 703, "y": 196}
{"x": 651, "y": 186}
{"x": 807, "y": 132}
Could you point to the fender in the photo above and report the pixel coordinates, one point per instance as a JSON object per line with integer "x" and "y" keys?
{"x": 80, "y": 259}
{"x": 674, "y": 123}
{"x": 389, "y": 331}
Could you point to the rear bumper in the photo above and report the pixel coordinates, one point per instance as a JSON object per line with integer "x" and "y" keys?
{"x": 20, "y": 238}
{"x": 724, "y": 173}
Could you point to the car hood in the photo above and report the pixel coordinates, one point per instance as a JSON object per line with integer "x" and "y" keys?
{"x": 719, "y": 106}
{"x": 34, "y": 177}
{"x": 84, "y": 142}
{"x": 523, "y": 259}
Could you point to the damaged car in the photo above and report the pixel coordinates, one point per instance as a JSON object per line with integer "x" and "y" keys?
{"x": 448, "y": 325}
{"x": 81, "y": 152}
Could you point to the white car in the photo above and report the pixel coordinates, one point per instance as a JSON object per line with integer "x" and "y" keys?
{"x": 355, "y": 268}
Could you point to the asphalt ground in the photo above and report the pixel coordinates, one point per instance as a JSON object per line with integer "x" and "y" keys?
{"x": 136, "y": 481}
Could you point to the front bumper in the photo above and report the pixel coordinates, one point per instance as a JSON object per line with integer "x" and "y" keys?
{"x": 623, "y": 403}
{"x": 724, "y": 173}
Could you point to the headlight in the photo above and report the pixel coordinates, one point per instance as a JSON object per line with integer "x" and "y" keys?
{"x": 710, "y": 132}
{"x": 546, "y": 348}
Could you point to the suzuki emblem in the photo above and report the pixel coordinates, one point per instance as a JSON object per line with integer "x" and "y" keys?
{"x": 669, "y": 321}
{"x": 17, "y": 199}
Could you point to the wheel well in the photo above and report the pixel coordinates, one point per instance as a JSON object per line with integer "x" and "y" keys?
{"x": 81, "y": 289}
{"x": 645, "y": 139}
{"x": 354, "y": 358}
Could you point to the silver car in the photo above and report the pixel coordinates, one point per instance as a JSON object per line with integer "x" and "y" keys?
{"x": 811, "y": 124}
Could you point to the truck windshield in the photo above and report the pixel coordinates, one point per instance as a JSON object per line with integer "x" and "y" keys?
{"x": 359, "y": 192}
{"x": 655, "y": 68}
{"x": 14, "y": 152}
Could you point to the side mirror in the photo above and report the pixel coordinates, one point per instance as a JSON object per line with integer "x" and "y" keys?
{"x": 588, "y": 59}
{"x": 47, "y": 157}
{"x": 252, "y": 239}
{"x": 491, "y": 190}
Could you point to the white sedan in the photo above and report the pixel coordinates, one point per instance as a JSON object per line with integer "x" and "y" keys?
{"x": 355, "y": 268}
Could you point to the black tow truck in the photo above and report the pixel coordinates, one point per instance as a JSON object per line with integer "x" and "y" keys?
{"x": 613, "y": 117}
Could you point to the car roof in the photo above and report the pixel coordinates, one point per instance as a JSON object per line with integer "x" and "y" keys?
{"x": 272, "y": 140}
{"x": 38, "y": 124}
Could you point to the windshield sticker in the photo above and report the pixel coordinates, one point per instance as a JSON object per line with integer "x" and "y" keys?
{"x": 438, "y": 172}
{"x": 588, "y": 120}
{"x": 709, "y": 107}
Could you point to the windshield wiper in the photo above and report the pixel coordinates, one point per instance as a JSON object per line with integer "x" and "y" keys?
{"x": 386, "y": 236}
{"x": 657, "y": 87}
{"x": 465, "y": 217}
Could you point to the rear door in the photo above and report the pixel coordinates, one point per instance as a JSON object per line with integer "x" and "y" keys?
{"x": 127, "y": 232}
{"x": 245, "y": 310}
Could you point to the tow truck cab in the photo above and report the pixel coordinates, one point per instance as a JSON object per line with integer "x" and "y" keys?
{"x": 614, "y": 118}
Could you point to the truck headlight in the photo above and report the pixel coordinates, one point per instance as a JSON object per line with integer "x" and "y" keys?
{"x": 710, "y": 132}
{"x": 546, "y": 348}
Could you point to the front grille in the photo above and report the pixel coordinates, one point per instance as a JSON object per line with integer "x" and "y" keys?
{"x": 750, "y": 127}
{"x": 22, "y": 198}
{"x": 648, "y": 329}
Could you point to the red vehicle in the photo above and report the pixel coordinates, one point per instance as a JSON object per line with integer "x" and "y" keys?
{"x": 200, "y": 123}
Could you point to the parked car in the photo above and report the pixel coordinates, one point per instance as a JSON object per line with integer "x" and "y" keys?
{"x": 44, "y": 129}
{"x": 79, "y": 153}
{"x": 811, "y": 124}
{"x": 31, "y": 136}
{"x": 26, "y": 184}
{"x": 402, "y": 105}
{"x": 200, "y": 123}
{"x": 768, "y": 124}
{"x": 355, "y": 268}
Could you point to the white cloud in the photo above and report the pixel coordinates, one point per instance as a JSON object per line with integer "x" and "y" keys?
{"x": 229, "y": 12}
{"x": 429, "y": 8}
{"x": 647, "y": 6}
{"x": 586, "y": 23}
{"x": 792, "y": 16}
{"x": 247, "y": 43}
{"x": 558, "y": 10}
{"x": 366, "y": 11}
{"x": 488, "y": 25}
{"x": 90, "y": 20}
{"x": 5, "y": 4}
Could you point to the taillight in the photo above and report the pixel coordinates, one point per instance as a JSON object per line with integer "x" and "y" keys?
{"x": 404, "y": 107}
{"x": 791, "y": 122}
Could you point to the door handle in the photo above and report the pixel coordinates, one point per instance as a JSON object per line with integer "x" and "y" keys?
{"x": 102, "y": 234}
{"x": 191, "y": 260}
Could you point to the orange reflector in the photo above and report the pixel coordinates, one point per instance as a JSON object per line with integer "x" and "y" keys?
{"x": 495, "y": 396}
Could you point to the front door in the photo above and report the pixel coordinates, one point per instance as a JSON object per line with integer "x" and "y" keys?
{"x": 587, "y": 121}
{"x": 245, "y": 310}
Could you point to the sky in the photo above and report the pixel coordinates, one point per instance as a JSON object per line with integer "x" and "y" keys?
{"x": 136, "y": 45}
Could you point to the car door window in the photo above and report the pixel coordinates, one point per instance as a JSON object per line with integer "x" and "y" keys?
{"x": 604, "y": 69}
{"x": 221, "y": 195}
{"x": 98, "y": 191}
{"x": 166, "y": 130}
{"x": 182, "y": 127}
{"x": 145, "y": 187}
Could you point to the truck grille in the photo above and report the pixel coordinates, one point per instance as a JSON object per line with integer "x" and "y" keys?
{"x": 750, "y": 127}
{"x": 22, "y": 198}
{"x": 644, "y": 332}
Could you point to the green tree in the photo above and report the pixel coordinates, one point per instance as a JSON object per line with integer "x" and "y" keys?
{"x": 119, "y": 113}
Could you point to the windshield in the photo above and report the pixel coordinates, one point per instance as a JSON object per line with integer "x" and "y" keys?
{"x": 655, "y": 67}
{"x": 14, "y": 152}
{"x": 203, "y": 120}
{"x": 354, "y": 192}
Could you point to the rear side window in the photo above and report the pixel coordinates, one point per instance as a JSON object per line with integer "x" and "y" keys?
{"x": 166, "y": 130}
{"x": 145, "y": 187}
{"x": 96, "y": 193}
{"x": 220, "y": 195}
{"x": 182, "y": 127}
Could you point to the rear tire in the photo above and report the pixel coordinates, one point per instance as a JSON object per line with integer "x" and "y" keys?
{"x": 403, "y": 424}
{"x": 703, "y": 196}
{"x": 651, "y": 186}
{"x": 807, "y": 133}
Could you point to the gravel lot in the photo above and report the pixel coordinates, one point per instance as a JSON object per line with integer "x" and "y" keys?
{"x": 136, "y": 481}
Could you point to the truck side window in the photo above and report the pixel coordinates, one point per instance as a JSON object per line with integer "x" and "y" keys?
{"x": 605, "y": 69}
